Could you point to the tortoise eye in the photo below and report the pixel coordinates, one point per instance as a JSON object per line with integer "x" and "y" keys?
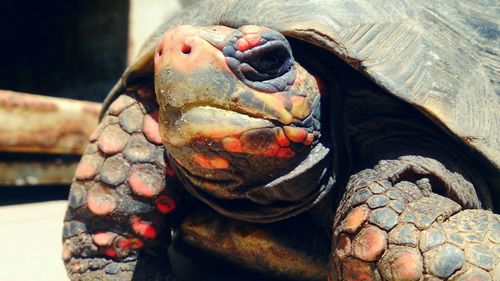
{"x": 269, "y": 63}
{"x": 267, "y": 66}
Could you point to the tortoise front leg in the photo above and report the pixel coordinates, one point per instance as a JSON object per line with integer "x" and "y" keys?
{"x": 391, "y": 226}
{"x": 115, "y": 226}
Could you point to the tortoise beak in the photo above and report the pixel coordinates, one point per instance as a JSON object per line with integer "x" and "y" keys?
{"x": 187, "y": 48}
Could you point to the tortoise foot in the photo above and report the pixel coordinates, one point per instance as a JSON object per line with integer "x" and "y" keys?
{"x": 111, "y": 256}
{"x": 390, "y": 228}
{"x": 142, "y": 268}
{"x": 116, "y": 226}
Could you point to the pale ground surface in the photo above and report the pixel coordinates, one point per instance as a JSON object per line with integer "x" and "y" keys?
{"x": 30, "y": 241}
{"x": 30, "y": 235}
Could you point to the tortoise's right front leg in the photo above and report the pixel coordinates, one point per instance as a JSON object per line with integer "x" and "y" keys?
{"x": 390, "y": 225}
{"x": 115, "y": 226}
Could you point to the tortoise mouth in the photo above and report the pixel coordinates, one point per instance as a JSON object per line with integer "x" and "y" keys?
{"x": 224, "y": 152}
{"x": 198, "y": 122}
{"x": 195, "y": 122}
{"x": 219, "y": 186}
{"x": 276, "y": 199}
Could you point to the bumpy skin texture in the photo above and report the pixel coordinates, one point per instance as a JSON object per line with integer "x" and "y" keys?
{"x": 389, "y": 227}
{"x": 115, "y": 226}
{"x": 391, "y": 223}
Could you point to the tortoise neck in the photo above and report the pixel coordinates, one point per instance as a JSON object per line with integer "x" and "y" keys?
{"x": 380, "y": 127}
{"x": 286, "y": 196}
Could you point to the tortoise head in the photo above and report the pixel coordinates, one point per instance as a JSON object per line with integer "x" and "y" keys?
{"x": 241, "y": 120}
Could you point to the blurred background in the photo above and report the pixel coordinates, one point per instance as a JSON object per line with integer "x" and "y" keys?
{"x": 58, "y": 61}
{"x": 66, "y": 49}
{"x": 75, "y": 49}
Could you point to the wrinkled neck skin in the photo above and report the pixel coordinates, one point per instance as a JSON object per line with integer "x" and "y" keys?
{"x": 380, "y": 127}
{"x": 241, "y": 121}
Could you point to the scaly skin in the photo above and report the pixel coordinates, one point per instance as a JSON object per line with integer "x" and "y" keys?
{"x": 115, "y": 227}
{"x": 389, "y": 225}
{"x": 233, "y": 139}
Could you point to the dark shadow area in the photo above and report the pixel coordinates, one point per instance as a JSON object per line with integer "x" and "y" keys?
{"x": 75, "y": 49}
{"x": 38, "y": 157}
{"x": 190, "y": 264}
{"x": 10, "y": 195}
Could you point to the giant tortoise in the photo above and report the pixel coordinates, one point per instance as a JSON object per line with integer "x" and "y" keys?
{"x": 348, "y": 140}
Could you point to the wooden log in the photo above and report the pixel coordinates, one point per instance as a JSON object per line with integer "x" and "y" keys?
{"x": 32, "y": 123}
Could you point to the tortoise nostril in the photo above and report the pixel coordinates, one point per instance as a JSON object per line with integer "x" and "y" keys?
{"x": 186, "y": 49}
{"x": 160, "y": 52}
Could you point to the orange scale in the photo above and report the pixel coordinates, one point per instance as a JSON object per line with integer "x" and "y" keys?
{"x": 215, "y": 162}
{"x": 242, "y": 44}
{"x": 103, "y": 238}
{"x": 130, "y": 243}
{"x": 202, "y": 161}
{"x": 143, "y": 228}
{"x": 232, "y": 144}
{"x": 136, "y": 244}
{"x": 355, "y": 219}
{"x": 150, "y": 128}
{"x": 408, "y": 266}
{"x": 165, "y": 204}
{"x": 309, "y": 140}
{"x": 281, "y": 138}
{"x": 143, "y": 183}
{"x": 219, "y": 163}
{"x": 252, "y": 39}
{"x": 66, "y": 253}
{"x": 295, "y": 134}
{"x": 101, "y": 202}
{"x": 87, "y": 169}
{"x": 110, "y": 252}
{"x": 285, "y": 152}
{"x": 272, "y": 150}
{"x": 123, "y": 244}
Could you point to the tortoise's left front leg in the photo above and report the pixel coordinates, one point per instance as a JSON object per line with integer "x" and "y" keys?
{"x": 117, "y": 226}
{"x": 390, "y": 225}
